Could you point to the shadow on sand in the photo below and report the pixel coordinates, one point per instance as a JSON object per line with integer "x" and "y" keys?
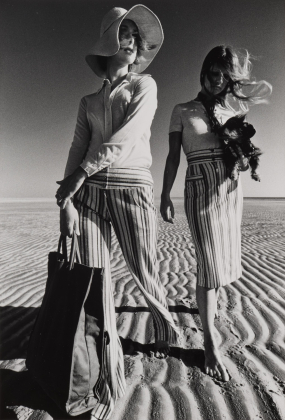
{"x": 16, "y": 324}
{"x": 19, "y": 388}
{"x": 190, "y": 357}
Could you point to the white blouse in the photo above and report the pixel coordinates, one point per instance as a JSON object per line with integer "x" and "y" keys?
{"x": 113, "y": 127}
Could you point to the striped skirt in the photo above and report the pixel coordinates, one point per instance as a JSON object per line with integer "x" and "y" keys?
{"x": 213, "y": 205}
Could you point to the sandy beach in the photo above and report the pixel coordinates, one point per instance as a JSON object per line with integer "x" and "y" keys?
{"x": 249, "y": 327}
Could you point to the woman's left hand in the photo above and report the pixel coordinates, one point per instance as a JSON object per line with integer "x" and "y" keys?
{"x": 238, "y": 153}
{"x": 242, "y": 160}
{"x": 167, "y": 209}
{"x": 69, "y": 186}
{"x": 243, "y": 164}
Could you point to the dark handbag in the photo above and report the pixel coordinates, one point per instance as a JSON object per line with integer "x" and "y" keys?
{"x": 65, "y": 347}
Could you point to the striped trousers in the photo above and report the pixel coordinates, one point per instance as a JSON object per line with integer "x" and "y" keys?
{"x": 213, "y": 206}
{"x": 132, "y": 214}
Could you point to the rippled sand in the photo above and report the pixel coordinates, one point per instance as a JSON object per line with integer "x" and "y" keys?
{"x": 250, "y": 323}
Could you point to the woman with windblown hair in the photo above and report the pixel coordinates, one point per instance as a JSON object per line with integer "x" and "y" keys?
{"x": 213, "y": 201}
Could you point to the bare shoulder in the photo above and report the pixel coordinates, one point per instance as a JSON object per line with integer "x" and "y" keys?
{"x": 188, "y": 107}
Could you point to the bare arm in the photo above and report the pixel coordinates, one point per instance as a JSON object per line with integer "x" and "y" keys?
{"x": 69, "y": 186}
{"x": 170, "y": 171}
{"x": 69, "y": 221}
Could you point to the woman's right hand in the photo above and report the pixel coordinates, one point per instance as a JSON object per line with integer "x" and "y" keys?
{"x": 170, "y": 171}
{"x": 69, "y": 220}
{"x": 167, "y": 209}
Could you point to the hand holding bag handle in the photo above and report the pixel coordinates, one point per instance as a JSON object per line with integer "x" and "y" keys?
{"x": 74, "y": 250}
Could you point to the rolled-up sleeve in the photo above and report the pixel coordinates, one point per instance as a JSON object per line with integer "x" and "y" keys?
{"x": 81, "y": 139}
{"x": 136, "y": 124}
{"x": 175, "y": 121}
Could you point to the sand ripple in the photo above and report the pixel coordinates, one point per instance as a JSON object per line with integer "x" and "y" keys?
{"x": 250, "y": 323}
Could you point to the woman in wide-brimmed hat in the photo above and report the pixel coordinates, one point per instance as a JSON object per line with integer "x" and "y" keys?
{"x": 149, "y": 39}
{"x": 108, "y": 181}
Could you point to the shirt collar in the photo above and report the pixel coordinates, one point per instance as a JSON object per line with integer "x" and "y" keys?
{"x": 127, "y": 79}
{"x": 107, "y": 82}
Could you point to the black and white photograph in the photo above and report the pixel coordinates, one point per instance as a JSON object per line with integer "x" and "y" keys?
{"x": 142, "y": 204}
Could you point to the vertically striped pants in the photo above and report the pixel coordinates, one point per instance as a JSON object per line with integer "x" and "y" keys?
{"x": 122, "y": 198}
{"x": 213, "y": 205}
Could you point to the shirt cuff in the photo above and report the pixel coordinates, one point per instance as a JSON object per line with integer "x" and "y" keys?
{"x": 89, "y": 169}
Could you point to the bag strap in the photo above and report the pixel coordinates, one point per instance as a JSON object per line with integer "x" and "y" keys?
{"x": 62, "y": 243}
{"x": 74, "y": 252}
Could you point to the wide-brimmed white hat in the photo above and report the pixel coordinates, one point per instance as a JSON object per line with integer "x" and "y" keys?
{"x": 150, "y": 30}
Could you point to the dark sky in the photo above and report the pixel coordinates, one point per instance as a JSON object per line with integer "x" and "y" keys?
{"x": 44, "y": 76}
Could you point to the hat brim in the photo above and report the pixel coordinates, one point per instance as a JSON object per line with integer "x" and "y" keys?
{"x": 150, "y": 30}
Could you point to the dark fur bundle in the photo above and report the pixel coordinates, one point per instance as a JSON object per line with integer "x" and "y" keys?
{"x": 236, "y": 135}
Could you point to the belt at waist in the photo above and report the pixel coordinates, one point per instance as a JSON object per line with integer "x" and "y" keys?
{"x": 206, "y": 155}
{"x": 120, "y": 178}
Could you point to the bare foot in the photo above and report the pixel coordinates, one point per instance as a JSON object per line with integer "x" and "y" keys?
{"x": 161, "y": 349}
{"x": 214, "y": 365}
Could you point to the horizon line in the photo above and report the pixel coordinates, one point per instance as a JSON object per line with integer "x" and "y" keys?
{"x": 47, "y": 199}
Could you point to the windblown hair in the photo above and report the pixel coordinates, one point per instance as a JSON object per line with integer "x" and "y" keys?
{"x": 238, "y": 67}
{"x": 142, "y": 46}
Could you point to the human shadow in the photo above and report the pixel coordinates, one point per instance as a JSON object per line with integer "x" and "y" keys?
{"x": 172, "y": 308}
{"x": 19, "y": 388}
{"x": 16, "y": 324}
{"x": 190, "y": 357}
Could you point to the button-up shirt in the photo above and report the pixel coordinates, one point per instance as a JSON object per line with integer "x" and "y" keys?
{"x": 113, "y": 127}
